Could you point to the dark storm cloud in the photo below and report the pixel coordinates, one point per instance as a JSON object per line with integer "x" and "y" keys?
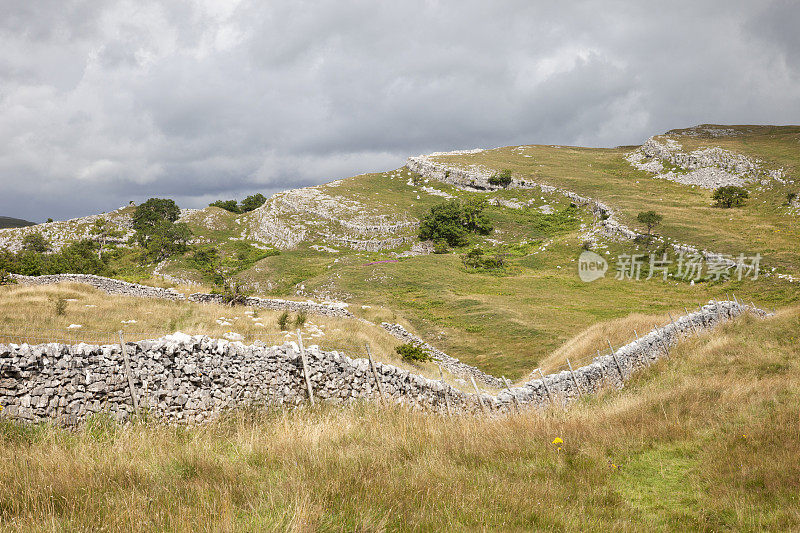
{"x": 105, "y": 102}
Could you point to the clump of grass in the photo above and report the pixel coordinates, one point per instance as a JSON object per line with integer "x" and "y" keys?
{"x": 283, "y": 321}
{"x": 59, "y": 305}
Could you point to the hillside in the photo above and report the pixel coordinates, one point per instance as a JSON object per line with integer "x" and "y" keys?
{"x": 10, "y": 222}
{"x": 355, "y": 240}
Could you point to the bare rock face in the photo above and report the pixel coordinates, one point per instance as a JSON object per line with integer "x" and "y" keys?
{"x": 709, "y": 168}
{"x": 310, "y": 214}
{"x": 63, "y": 232}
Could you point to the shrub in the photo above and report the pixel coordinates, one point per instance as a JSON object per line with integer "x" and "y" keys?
{"x": 650, "y": 219}
{"x": 501, "y": 179}
{"x": 413, "y": 353}
{"x": 5, "y": 277}
{"x": 228, "y": 205}
{"x": 730, "y": 196}
{"x": 791, "y": 197}
{"x": 300, "y": 319}
{"x": 283, "y": 321}
{"x": 35, "y": 242}
{"x": 233, "y": 294}
{"x": 477, "y": 259}
{"x": 440, "y": 247}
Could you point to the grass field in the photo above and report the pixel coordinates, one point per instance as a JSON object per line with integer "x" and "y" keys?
{"x": 704, "y": 441}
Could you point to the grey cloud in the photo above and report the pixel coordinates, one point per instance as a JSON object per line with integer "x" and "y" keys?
{"x": 101, "y": 103}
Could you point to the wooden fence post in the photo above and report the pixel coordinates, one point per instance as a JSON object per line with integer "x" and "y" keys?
{"x": 674, "y": 325}
{"x": 513, "y": 397}
{"x": 614, "y": 355}
{"x": 574, "y": 379}
{"x": 446, "y": 397}
{"x": 546, "y": 388}
{"x": 134, "y": 397}
{"x": 480, "y": 398}
{"x": 375, "y": 373}
{"x": 305, "y": 367}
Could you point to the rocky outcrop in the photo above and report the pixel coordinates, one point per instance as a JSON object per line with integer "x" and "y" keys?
{"x": 63, "y": 232}
{"x": 709, "y": 168}
{"x": 182, "y": 378}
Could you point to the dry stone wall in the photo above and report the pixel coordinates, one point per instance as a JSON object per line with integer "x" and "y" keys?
{"x": 182, "y": 378}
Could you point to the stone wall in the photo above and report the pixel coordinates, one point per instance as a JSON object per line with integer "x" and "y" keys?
{"x": 115, "y": 286}
{"x": 109, "y": 285}
{"x": 181, "y": 378}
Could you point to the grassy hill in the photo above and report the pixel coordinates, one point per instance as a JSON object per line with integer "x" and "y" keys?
{"x": 351, "y": 240}
{"x": 10, "y": 222}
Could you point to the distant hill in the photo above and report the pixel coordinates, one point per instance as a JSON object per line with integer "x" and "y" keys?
{"x": 10, "y": 222}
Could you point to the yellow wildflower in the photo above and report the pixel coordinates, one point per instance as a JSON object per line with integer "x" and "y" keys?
{"x": 558, "y": 440}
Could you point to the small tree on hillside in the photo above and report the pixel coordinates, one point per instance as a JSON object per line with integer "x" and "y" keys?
{"x": 730, "y": 196}
{"x": 649, "y": 219}
{"x": 444, "y": 222}
{"x": 228, "y": 205}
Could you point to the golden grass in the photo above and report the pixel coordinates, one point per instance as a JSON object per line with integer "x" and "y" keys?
{"x": 28, "y": 314}
{"x": 707, "y": 440}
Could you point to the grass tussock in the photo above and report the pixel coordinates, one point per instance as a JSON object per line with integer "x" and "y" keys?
{"x": 707, "y": 440}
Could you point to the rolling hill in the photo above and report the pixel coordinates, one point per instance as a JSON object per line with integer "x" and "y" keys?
{"x": 11, "y": 222}
{"x": 355, "y": 240}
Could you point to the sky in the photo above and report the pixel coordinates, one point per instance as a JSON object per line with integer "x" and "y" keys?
{"x": 103, "y": 102}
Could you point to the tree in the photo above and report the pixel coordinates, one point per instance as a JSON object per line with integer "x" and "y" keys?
{"x": 253, "y": 202}
{"x": 102, "y": 232}
{"x": 651, "y": 219}
{"x": 475, "y": 220}
{"x": 730, "y": 196}
{"x": 444, "y": 222}
{"x": 501, "y": 179}
{"x": 228, "y": 205}
{"x": 35, "y": 242}
{"x": 156, "y": 230}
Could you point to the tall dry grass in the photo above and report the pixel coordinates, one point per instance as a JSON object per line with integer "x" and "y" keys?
{"x": 28, "y": 314}
{"x": 706, "y": 441}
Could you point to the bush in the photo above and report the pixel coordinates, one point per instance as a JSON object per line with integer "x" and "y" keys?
{"x": 413, "y": 353}
{"x": 233, "y": 294}
{"x": 228, "y": 205}
{"x": 248, "y": 204}
{"x": 477, "y": 259}
{"x": 730, "y": 196}
{"x": 501, "y": 179}
{"x": 35, "y": 242}
{"x": 283, "y": 321}
{"x": 440, "y": 247}
{"x": 791, "y": 197}
{"x": 451, "y": 221}
{"x": 5, "y": 277}
{"x": 300, "y": 319}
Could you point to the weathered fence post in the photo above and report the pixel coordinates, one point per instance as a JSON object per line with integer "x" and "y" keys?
{"x": 614, "y": 355}
{"x": 480, "y": 398}
{"x": 127, "y": 363}
{"x": 674, "y": 325}
{"x": 546, "y": 388}
{"x": 375, "y": 373}
{"x": 513, "y": 397}
{"x": 446, "y": 396}
{"x": 574, "y": 379}
{"x": 305, "y": 366}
